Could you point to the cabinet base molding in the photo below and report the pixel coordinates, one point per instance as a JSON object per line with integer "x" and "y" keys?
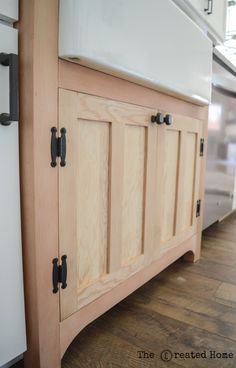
{"x": 72, "y": 325}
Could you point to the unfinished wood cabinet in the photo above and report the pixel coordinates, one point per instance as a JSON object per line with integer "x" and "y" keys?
{"x": 179, "y": 159}
{"x": 105, "y": 193}
{"x": 123, "y": 207}
{"x": 128, "y": 192}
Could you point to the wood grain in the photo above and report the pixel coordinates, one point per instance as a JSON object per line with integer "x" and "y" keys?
{"x": 133, "y": 192}
{"x": 116, "y": 196}
{"x": 38, "y": 38}
{"x": 114, "y": 294}
{"x": 91, "y": 199}
{"x": 189, "y": 178}
{"x": 179, "y": 179}
{"x": 102, "y": 194}
{"x": 170, "y": 178}
{"x": 67, "y": 208}
{"x": 97, "y": 259}
{"x": 81, "y": 79}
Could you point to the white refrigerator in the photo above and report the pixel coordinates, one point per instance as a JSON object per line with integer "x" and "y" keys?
{"x": 12, "y": 315}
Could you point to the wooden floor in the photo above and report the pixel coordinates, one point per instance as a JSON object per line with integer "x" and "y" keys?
{"x": 186, "y": 308}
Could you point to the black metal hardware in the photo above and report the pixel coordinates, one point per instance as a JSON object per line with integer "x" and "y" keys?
{"x": 202, "y": 144}
{"x": 168, "y": 119}
{"x": 54, "y": 147}
{"x": 58, "y": 147}
{"x": 63, "y": 273}
{"x": 208, "y": 6}
{"x": 198, "y": 208}
{"x": 55, "y": 275}
{"x": 62, "y": 147}
{"x": 158, "y": 118}
{"x": 209, "y": 9}
{"x": 59, "y": 274}
{"x": 11, "y": 61}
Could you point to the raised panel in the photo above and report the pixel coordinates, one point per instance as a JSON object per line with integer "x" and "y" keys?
{"x": 186, "y": 215}
{"x": 133, "y": 192}
{"x": 179, "y": 175}
{"x": 170, "y": 181}
{"x": 92, "y": 199}
{"x": 105, "y": 195}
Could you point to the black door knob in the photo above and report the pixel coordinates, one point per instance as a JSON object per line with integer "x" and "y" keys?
{"x": 168, "y": 119}
{"x": 158, "y": 118}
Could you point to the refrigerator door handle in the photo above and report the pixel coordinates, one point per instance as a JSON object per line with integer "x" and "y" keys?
{"x": 11, "y": 61}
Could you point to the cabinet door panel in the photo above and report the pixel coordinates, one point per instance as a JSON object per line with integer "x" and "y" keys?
{"x": 128, "y": 192}
{"x": 180, "y": 169}
{"x": 133, "y": 196}
{"x": 104, "y": 194}
{"x": 92, "y": 199}
{"x": 170, "y": 182}
{"x": 186, "y": 213}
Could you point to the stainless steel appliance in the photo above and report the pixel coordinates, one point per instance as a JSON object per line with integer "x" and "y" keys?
{"x": 221, "y": 155}
{"x": 12, "y": 318}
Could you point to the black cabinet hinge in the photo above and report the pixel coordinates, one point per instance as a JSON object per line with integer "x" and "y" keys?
{"x": 59, "y": 273}
{"x": 58, "y": 147}
{"x": 198, "y": 208}
{"x": 202, "y": 146}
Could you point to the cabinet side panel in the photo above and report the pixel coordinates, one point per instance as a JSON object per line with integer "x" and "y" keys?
{"x": 170, "y": 178}
{"x": 133, "y": 195}
{"x": 92, "y": 200}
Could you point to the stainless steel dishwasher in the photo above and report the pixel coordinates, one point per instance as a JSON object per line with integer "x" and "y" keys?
{"x": 221, "y": 155}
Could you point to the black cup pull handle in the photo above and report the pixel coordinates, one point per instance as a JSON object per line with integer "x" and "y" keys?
{"x": 11, "y": 61}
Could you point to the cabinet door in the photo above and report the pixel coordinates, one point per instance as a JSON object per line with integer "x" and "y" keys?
{"x": 9, "y": 10}
{"x": 214, "y": 13}
{"x": 199, "y": 5}
{"x": 178, "y": 178}
{"x": 217, "y": 18}
{"x": 106, "y": 191}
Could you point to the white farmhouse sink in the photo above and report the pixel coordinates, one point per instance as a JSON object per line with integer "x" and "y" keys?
{"x": 150, "y": 42}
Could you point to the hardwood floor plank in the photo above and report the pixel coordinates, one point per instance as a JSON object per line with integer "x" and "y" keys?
{"x": 157, "y": 332}
{"x": 181, "y": 276}
{"x": 214, "y": 271}
{"x": 207, "y": 315}
{"x": 110, "y": 350}
{"x": 187, "y": 307}
{"x": 227, "y": 292}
